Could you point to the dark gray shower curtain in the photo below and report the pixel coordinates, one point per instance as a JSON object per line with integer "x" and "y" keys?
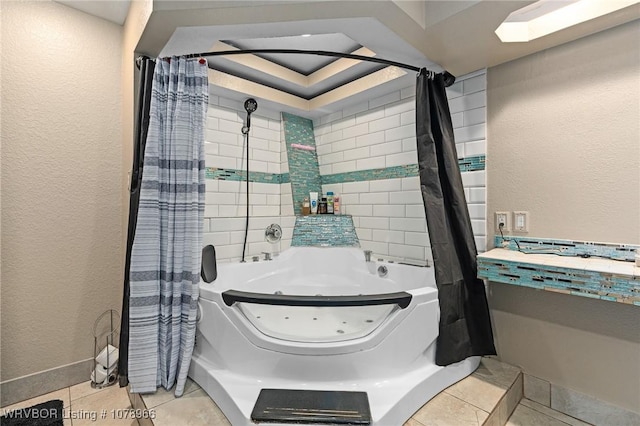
{"x": 465, "y": 326}
{"x": 147, "y": 66}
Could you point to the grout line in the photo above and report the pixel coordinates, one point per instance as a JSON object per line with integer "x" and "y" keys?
{"x": 505, "y": 397}
{"x": 70, "y": 409}
{"x": 544, "y": 414}
{"x": 469, "y": 403}
{"x": 416, "y": 420}
{"x": 535, "y": 407}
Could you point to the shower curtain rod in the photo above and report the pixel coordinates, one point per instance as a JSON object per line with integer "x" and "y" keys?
{"x": 449, "y": 78}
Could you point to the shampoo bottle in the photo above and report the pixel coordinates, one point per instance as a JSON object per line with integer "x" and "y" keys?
{"x": 313, "y": 198}
{"x": 330, "y": 201}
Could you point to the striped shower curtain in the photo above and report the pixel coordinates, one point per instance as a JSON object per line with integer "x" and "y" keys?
{"x": 166, "y": 254}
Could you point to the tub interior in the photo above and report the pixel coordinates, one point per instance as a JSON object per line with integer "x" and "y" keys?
{"x": 315, "y": 271}
{"x": 308, "y": 324}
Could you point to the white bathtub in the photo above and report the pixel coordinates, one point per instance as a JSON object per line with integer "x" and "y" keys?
{"x": 383, "y": 350}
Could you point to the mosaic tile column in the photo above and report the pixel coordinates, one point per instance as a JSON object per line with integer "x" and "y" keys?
{"x": 303, "y": 160}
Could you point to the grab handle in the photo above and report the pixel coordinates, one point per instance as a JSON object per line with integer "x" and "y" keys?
{"x": 401, "y": 298}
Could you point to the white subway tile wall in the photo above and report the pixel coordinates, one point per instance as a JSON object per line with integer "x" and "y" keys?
{"x": 226, "y": 205}
{"x": 388, "y": 214}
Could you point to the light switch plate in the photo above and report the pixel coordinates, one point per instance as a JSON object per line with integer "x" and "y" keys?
{"x": 502, "y": 217}
{"x": 521, "y": 221}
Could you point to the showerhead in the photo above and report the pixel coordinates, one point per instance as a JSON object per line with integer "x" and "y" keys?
{"x": 250, "y": 105}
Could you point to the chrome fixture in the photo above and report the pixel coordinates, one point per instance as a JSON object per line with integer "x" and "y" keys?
{"x": 383, "y": 271}
{"x": 255, "y": 258}
{"x": 273, "y": 233}
{"x": 367, "y": 255}
{"x": 267, "y": 255}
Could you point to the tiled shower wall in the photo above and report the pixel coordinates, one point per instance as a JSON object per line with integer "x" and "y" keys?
{"x": 378, "y": 138}
{"x": 226, "y": 183}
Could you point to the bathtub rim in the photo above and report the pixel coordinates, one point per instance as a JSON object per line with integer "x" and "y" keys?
{"x": 244, "y": 326}
{"x": 285, "y": 262}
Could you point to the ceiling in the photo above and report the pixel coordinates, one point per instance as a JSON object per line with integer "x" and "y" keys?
{"x": 111, "y": 10}
{"x": 454, "y": 35}
{"x": 310, "y": 64}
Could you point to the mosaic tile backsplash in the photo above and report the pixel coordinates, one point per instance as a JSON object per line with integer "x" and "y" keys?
{"x": 624, "y": 252}
{"x": 303, "y": 163}
{"x": 325, "y": 230}
{"x": 603, "y": 279}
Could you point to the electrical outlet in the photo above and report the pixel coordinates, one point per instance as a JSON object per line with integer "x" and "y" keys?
{"x": 502, "y": 217}
{"x": 521, "y": 221}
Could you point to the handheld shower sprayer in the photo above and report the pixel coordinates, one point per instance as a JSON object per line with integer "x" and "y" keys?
{"x": 250, "y": 105}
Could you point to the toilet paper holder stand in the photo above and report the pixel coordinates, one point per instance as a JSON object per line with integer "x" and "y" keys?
{"x": 106, "y": 335}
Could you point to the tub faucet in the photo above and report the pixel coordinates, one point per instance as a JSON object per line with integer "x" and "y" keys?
{"x": 367, "y": 255}
{"x": 267, "y": 255}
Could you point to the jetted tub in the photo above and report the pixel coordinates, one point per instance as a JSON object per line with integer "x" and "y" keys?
{"x": 321, "y": 319}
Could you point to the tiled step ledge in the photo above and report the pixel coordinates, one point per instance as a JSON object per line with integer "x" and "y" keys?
{"x": 594, "y": 277}
{"x": 485, "y": 398}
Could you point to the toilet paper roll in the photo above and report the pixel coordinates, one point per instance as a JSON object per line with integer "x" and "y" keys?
{"x": 99, "y": 374}
{"x": 108, "y": 357}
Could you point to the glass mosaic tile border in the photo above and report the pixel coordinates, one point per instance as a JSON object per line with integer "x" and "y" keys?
{"x": 468, "y": 164}
{"x": 394, "y": 172}
{"x": 472, "y": 164}
{"x": 241, "y": 175}
{"x": 324, "y": 230}
{"x": 579, "y": 282}
{"x": 624, "y": 252}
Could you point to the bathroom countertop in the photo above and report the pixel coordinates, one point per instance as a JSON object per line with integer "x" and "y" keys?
{"x": 593, "y": 277}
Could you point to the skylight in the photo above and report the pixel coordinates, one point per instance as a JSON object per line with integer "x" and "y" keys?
{"x": 548, "y": 16}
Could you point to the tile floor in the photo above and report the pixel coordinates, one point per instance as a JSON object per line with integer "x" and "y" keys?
{"x": 84, "y": 405}
{"x": 491, "y": 396}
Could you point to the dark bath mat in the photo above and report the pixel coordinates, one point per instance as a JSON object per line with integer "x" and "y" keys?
{"x": 308, "y": 406}
{"x": 44, "y": 414}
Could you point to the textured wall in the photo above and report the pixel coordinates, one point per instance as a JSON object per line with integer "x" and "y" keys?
{"x": 564, "y": 144}
{"x": 564, "y": 131}
{"x": 61, "y": 166}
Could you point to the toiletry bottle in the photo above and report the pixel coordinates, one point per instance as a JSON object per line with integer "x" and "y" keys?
{"x": 336, "y": 204}
{"x": 322, "y": 206}
{"x": 306, "y": 207}
{"x": 313, "y": 197}
{"x": 329, "y": 202}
